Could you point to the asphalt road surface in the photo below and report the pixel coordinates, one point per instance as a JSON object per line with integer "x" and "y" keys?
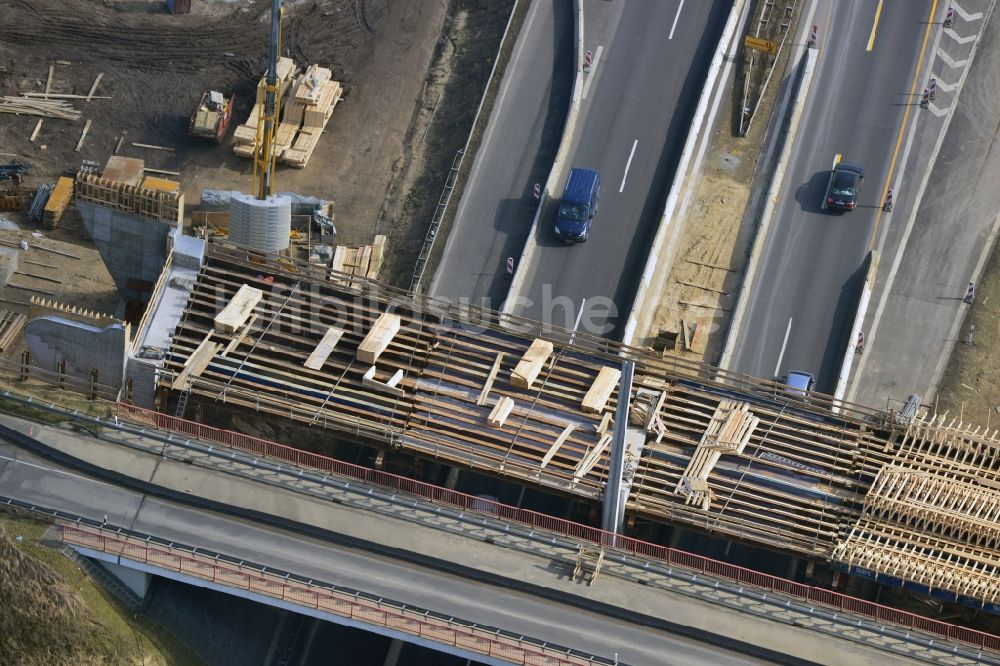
{"x": 29, "y": 478}
{"x": 803, "y": 298}
{"x": 650, "y": 61}
{"x": 495, "y": 213}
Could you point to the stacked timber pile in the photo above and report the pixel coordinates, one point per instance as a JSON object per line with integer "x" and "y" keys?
{"x": 246, "y": 134}
{"x": 311, "y": 100}
{"x": 360, "y": 260}
{"x": 57, "y": 202}
{"x": 314, "y": 97}
{"x": 48, "y": 108}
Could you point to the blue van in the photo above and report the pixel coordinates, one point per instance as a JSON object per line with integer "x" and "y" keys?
{"x": 578, "y": 205}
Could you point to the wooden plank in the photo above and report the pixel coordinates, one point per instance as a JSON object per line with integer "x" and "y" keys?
{"x": 238, "y": 310}
{"x": 697, "y": 341}
{"x": 591, "y": 458}
{"x": 162, "y": 171}
{"x": 379, "y": 337}
{"x": 324, "y": 348}
{"x": 31, "y": 289}
{"x": 489, "y": 380}
{"x": 118, "y": 146}
{"x": 377, "y": 256}
{"x": 684, "y": 332}
{"x": 48, "y": 82}
{"x": 500, "y": 412}
{"x": 603, "y": 426}
{"x": 38, "y": 277}
{"x": 197, "y": 362}
{"x": 93, "y": 88}
{"x": 38, "y": 127}
{"x": 389, "y": 387}
{"x": 560, "y": 440}
{"x": 600, "y": 391}
{"x": 61, "y": 253}
{"x": 83, "y": 135}
{"x": 34, "y": 95}
{"x": 531, "y": 364}
{"x": 238, "y": 337}
{"x": 152, "y": 147}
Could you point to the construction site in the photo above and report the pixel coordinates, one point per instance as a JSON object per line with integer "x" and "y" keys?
{"x": 213, "y": 220}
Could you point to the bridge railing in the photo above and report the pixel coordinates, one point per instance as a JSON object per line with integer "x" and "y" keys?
{"x": 473, "y": 638}
{"x": 540, "y": 521}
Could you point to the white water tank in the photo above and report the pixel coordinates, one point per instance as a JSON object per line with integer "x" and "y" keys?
{"x": 261, "y": 225}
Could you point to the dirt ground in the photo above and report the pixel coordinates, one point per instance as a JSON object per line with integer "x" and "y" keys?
{"x": 715, "y": 244}
{"x": 412, "y": 72}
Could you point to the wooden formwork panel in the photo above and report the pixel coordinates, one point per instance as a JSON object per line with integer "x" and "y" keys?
{"x": 155, "y": 203}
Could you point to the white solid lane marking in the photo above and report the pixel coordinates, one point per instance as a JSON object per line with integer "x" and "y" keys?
{"x": 593, "y": 68}
{"x": 784, "y": 343}
{"x": 579, "y": 315}
{"x": 627, "y": 165}
{"x": 676, "y": 16}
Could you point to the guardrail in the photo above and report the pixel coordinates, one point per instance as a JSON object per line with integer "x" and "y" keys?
{"x": 563, "y": 527}
{"x": 472, "y": 638}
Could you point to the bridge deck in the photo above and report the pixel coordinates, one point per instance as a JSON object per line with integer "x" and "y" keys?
{"x": 810, "y": 477}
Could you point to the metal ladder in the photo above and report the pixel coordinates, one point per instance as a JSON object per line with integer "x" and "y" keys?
{"x": 182, "y": 401}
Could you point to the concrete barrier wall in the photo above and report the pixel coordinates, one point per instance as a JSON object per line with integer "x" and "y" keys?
{"x": 807, "y": 66}
{"x": 859, "y": 319}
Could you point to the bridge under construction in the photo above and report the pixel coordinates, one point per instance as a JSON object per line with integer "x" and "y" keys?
{"x": 907, "y": 497}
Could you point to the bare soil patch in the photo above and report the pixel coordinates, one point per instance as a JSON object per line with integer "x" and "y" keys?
{"x": 412, "y": 71}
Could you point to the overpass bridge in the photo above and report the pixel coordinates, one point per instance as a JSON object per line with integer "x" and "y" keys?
{"x": 900, "y": 496}
{"x": 252, "y": 515}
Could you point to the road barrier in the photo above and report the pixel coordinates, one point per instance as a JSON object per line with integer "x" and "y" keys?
{"x": 560, "y": 526}
{"x": 448, "y": 631}
{"x": 856, "y": 337}
{"x": 970, "y": 293}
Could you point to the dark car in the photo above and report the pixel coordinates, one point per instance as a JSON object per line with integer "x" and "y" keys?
{"x": 845, "y": 182}
{"x": 578, "y": 206}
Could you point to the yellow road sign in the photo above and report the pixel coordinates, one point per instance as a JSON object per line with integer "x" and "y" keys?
{"x": 761, "y": 45}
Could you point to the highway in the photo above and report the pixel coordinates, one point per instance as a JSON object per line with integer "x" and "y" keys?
{"x": 649, "y": 61}
{"x": 495, "y": 212}
{"x": 932, "y": 249}
{"x": 28, "y": 478}
{"x": 803, "y": 296}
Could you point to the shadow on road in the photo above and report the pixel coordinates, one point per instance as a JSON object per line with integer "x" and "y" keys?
{"x": 810, "y": 194}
